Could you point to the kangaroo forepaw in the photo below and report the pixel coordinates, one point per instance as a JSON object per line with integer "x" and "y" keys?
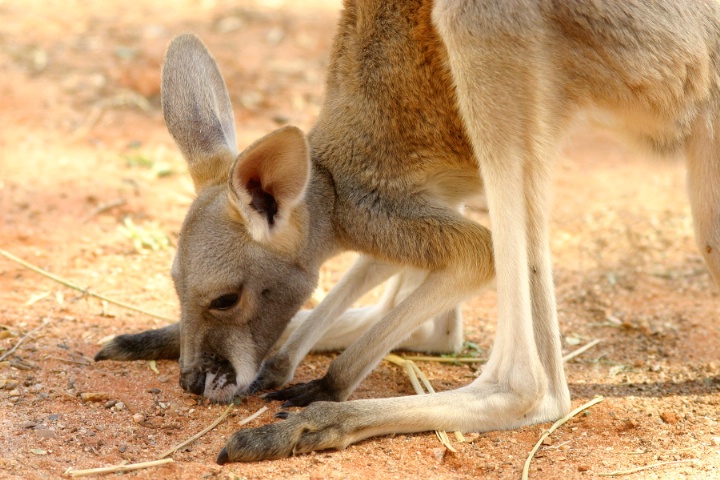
{"x": 304, "y": 394}
{"x": 319, "y": 427}
{"x": 275, "y": 373}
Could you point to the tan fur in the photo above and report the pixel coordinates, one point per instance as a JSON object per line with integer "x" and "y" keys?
{"x": 425, "y": 103}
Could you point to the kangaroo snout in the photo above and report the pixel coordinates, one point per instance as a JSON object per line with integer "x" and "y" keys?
{"x": 211, "y": 376}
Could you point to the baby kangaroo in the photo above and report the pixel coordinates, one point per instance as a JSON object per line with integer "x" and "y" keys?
{"x": 426, "y": 101}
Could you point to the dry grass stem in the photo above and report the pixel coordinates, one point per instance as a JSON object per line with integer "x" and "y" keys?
{"x": 84, "y": 363}
{"x": 445, "y": 359}
{"x": 85, "y": 291}
{"x": 36, "y": 298}
{"x": 422, "y": 378}
{"x": 104, "y": 207}
{"x": 445, "y": 440}
{"x": 618, "y": 473}
{"x": 117, "y": 468}
{"x": 428, "y": 386}
{"x": 416, "y": 376}
{"x": 23, "y": 339}
{"x": 555, "y": 426}
{"x": 130, "y": 406}
{"x": 410, "y": 372}
{"x": 152, "y": 365}
{"x": 211, "y": 426}
{"x": 580, "y": 350}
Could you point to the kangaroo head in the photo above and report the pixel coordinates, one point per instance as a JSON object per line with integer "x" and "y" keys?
{"x": 239, "y": 271}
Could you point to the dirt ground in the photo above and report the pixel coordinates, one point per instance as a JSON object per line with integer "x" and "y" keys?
{"x": 93, "y": 190}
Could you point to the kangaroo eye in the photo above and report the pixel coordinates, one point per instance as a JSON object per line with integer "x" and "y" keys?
{"x": 224, "y": 302}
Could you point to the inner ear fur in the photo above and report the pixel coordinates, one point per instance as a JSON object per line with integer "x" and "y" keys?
{"x": 268, "y": 179}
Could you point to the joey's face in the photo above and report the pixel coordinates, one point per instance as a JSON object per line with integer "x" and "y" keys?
{"x": 236, "y": 295}
{"x": 239, "y": 271}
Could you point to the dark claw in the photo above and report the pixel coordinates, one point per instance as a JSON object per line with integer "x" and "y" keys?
{"x": 222, "y": 457}
{"x": 304, "y": 394}
{"x": 319, "y": 427}
{"x": 270, "y": 396}
{"x": 282, "y": 415}
{"x": 253, "y": 389}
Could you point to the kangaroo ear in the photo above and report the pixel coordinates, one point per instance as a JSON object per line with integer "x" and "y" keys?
{"x": 197, "y": 110}
{"x": 269, "y": 179}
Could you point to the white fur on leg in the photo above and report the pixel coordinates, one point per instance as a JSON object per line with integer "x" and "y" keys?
{"x": 442, "y": 334}
{"x": 506, "y": 163}
{"x": 365, "y": 274}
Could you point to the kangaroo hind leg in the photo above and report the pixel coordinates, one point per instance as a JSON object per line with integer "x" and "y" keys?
{"x": 513, "y": 118}
{"x": 702, "y": 150}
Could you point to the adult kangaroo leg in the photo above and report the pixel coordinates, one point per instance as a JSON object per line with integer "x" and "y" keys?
{"x": 702, "y": 150}
{"x": 506, "y": 98}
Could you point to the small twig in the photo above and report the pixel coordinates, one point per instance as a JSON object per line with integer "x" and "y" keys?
{"x": 395, "y": 360}
{"x": 130, "y": 407}
{"x": 152, "y": 365}
{"x": 428, "y": 386}
{"x": 210, "y": 427}
{"x": 22, "y": 340}
{"x": 36, "y": 298}
{"x": 410, "y": 372}
{"x": 459, "y": 436}
{"x": 89, "y": 122}
{"x": 85, "y": 291}
{"x": 84, "y": 363}
{"x": 445, "y": 359}
{"x": 662, "y": 452}
{"x": 554, "y": 427}
{"x": 99, "y": 108}
{"x": 117, "y": 468}
{"x": 617, "y": 473}
{"x": 445, "y": 440}
{"x": 21, "y": 364}
{"x": 414, "y": 373}
{"x": 104, "y": 207}
{"x": 557, "y": 447}
{"x": 580, "y": 350}
{"x": 422, "y": 378}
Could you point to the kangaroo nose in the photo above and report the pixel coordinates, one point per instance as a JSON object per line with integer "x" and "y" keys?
{"x": 193, "y": 382}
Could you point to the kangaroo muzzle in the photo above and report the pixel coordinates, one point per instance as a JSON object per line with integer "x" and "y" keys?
{"x": 193, "y": 381}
